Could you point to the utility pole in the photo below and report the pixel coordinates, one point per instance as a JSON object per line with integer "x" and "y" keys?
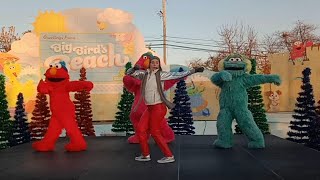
{"x": 164, "y": 20}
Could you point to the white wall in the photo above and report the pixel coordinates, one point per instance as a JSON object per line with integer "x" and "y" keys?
{"x": 278, "y": 123}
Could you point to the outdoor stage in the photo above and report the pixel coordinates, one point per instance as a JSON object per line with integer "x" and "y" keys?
{"x": 112, "y": 158}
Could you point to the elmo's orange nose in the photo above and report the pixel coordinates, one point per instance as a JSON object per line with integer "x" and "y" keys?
{"x": 53, "y": 71}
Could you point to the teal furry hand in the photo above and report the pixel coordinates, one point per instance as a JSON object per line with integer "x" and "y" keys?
{"x": 225, "y": 76}
{"x": 276, "y": 79}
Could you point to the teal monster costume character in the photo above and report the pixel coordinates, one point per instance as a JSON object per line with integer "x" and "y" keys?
{"x": 58, "y": 86}
{"x": 233, "y": 79}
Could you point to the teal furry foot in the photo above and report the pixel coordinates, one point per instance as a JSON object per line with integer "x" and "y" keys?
{"x": 220, "y": 144}
{"x": 256, "y": 145}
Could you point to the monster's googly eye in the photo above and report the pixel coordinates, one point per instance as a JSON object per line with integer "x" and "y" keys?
{"x": 232, "y": 59}
{"x": 58, "y": 66}
{"x": 237, "y": 59}
{"x": 145, "y": 57}
{"x": 12, "y": 67}
{"x": 50, "y": 65}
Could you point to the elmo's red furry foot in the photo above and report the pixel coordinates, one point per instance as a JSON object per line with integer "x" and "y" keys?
{"x": 43, "y": 146}
{"x": 133, "y": 139}
{"x": 75, "y": 147}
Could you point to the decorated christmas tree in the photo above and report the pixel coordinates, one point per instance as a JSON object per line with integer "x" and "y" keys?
{"x": 304, "y": 112}
{"x": 314, "y": 130}
{"x": 4, "y": 116}
{"x": 83, "y": 108}
{"x": 122, "y": 122}
{"x": 40, "y": 118}
{"x": 256, "y": 105}
{"x": 20, "y": 131}
{"x": 181, "y": 120}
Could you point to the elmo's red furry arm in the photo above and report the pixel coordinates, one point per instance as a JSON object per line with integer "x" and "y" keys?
{"x": 43, "y": 87}
{"x": 79, "y": 85}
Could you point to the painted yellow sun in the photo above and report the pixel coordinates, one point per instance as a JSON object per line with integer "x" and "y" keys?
{"x": 129, "y": 49}
{"x": 102, "y": 25}
{"x": 49, "y": 21}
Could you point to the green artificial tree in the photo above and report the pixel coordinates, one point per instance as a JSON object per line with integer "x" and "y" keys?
{"x": 181, "y": 119}
{"x": 301, "y": 127}
{"x": 20, "y": 131}
{"x": 122, "y": 122}
{"x": 256, "y": 105}
{"x": 4, "y": 116}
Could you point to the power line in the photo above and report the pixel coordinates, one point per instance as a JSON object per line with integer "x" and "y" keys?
{"x": 184, "y": 47}
{"x": 178, "y": 48}
{"x": 199, "y": 39}
{"x": 205, "y": 46}
{"x": 184, "y": 42}
{"x": 197, "y": 48}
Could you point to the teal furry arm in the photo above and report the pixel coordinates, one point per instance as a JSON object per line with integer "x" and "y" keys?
{"x": 208, "y": 74}
{"x": 221, "y": 77}
{"x": 257, "y": 79}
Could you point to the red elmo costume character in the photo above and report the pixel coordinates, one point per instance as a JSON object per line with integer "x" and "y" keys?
{"x": 133, "y": 85}
{"x": 58, "y": 86}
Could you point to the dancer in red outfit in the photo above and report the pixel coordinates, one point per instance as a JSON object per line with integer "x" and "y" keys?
{"x": 133, "y": 85}
{"x": 152, "y": 91}
{"x": 58, "y": 86}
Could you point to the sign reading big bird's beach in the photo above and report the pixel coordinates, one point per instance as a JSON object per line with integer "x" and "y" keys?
{"x": 100, "y": 40}
{"x": 99, "y": 53}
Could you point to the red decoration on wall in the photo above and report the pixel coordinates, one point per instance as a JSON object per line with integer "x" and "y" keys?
{"x": 298, "y": 52}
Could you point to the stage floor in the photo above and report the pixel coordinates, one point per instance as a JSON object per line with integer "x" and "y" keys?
{"x": 112, "y": 158}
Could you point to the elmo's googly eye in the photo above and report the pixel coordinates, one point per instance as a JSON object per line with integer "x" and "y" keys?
{"x": 58, "y": 66}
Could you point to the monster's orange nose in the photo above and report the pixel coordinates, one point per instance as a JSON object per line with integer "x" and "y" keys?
{"x": 53, "y": 71}
{"x": 146, "y": 64}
